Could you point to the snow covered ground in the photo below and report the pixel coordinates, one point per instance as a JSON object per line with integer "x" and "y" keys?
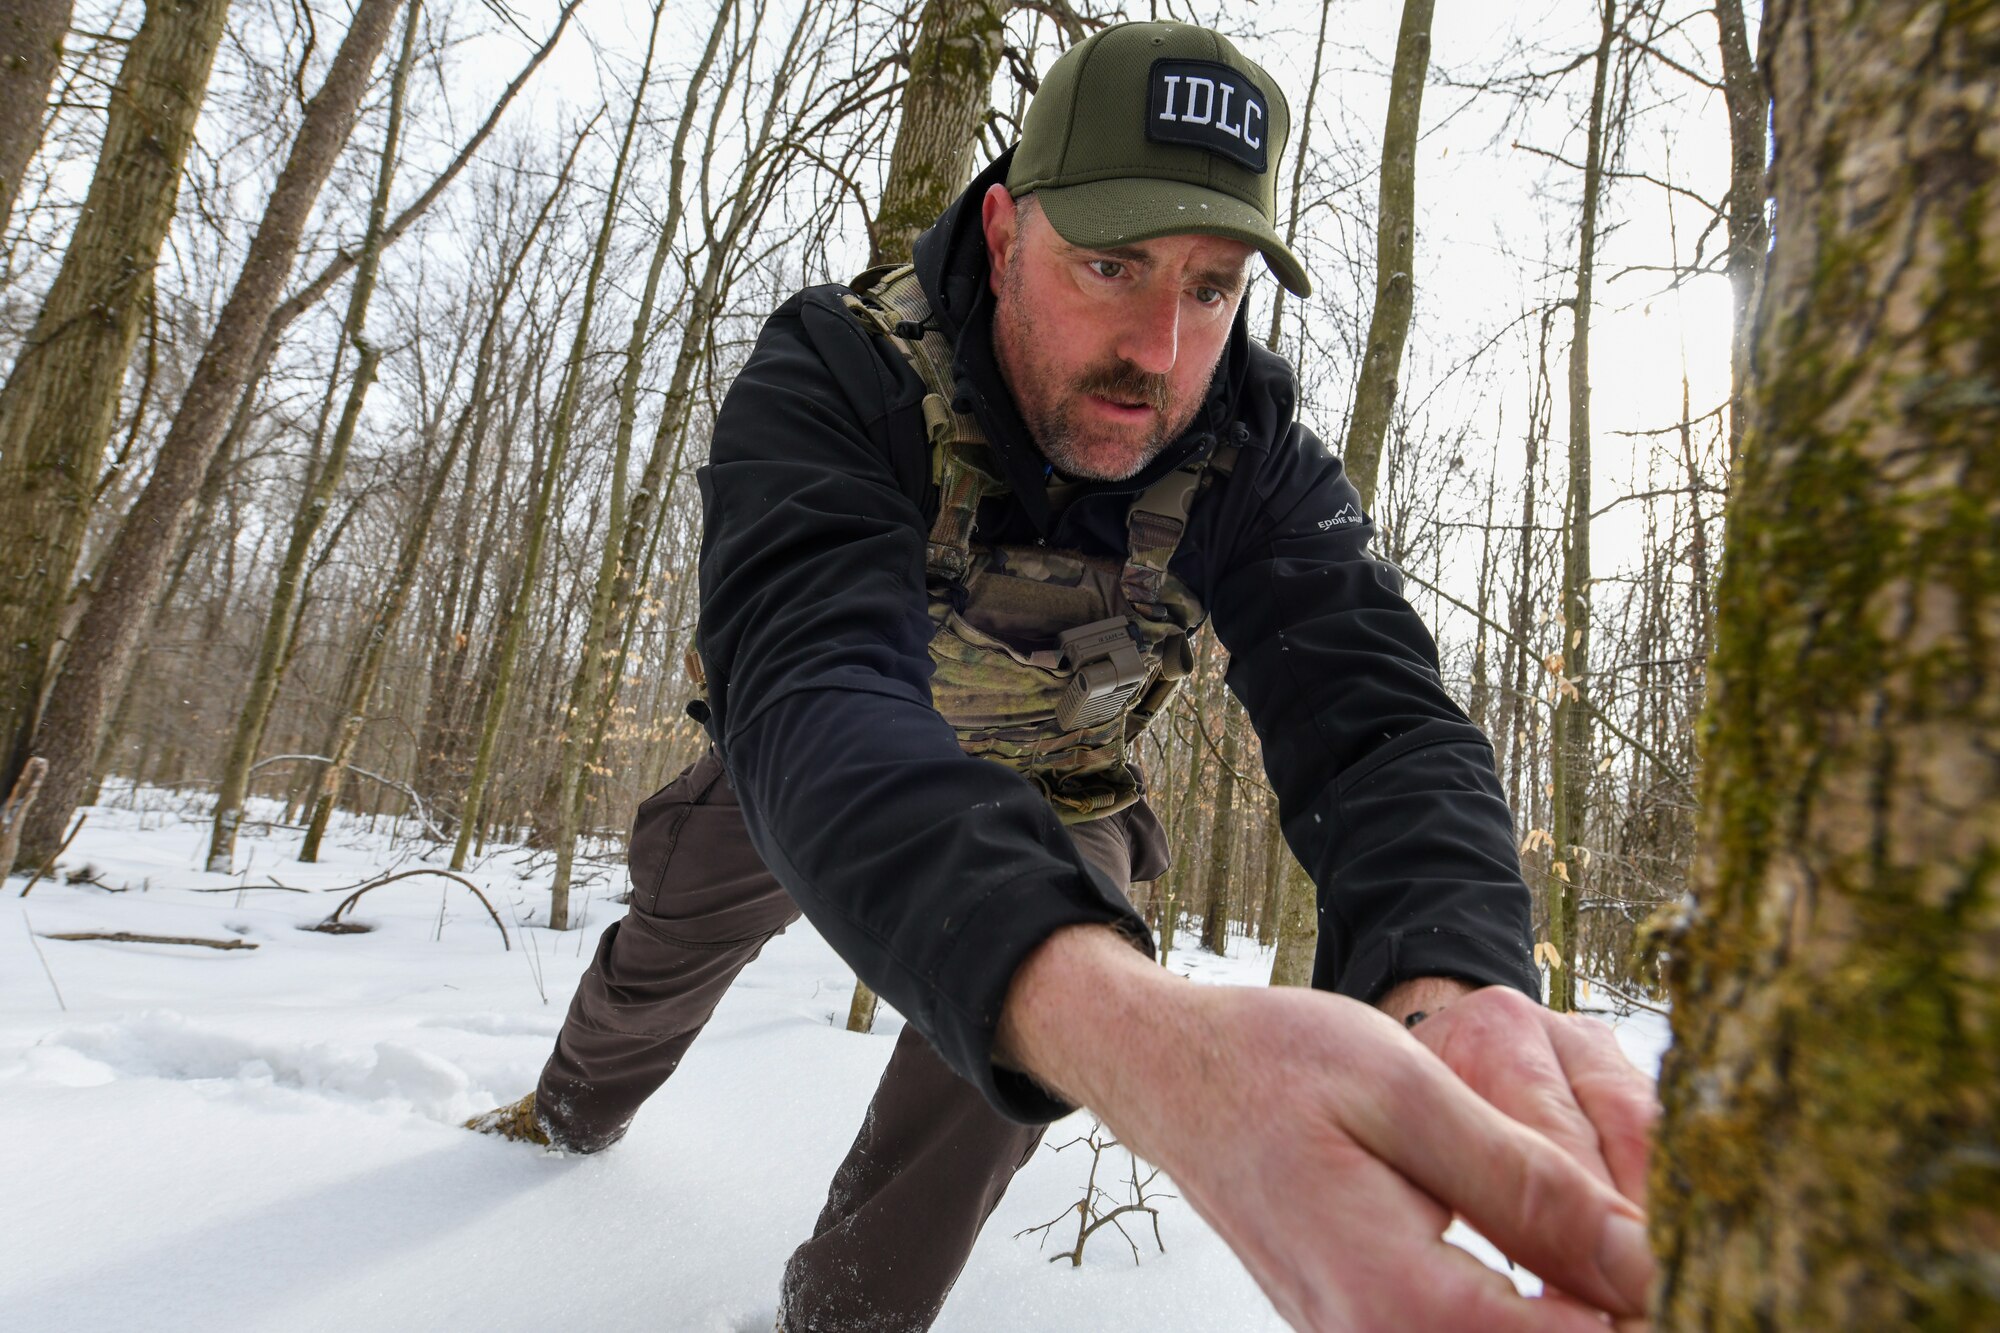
{"x": 267, "y": 1138}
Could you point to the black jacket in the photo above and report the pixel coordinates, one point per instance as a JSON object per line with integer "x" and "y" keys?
{"x": 934, "y": 875}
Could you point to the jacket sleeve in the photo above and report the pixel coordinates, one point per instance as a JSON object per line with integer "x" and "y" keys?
{"x": 1387, "y": 791}
{"x": 933, "y": 874}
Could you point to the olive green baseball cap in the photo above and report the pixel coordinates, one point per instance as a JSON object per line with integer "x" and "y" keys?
{"x": 1145, "y": 130}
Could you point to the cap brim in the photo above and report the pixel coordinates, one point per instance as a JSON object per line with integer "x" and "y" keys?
{"x": 1106, "y": 213}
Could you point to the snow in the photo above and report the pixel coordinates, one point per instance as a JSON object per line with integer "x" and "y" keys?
{"x": 268, "y": 1138}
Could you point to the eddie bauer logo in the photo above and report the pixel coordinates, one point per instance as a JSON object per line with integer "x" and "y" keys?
{"x": 1348, "y": 514}
{"x": 1206, "y": 104}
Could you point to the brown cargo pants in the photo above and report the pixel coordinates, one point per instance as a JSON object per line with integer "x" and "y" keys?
{"x": 932, "y": 1158}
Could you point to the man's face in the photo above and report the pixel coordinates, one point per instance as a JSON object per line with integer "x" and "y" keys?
{"x": 1108, "y": 353}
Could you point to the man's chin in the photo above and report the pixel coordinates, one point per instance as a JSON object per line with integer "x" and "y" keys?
{"x": 1105, "y": 460}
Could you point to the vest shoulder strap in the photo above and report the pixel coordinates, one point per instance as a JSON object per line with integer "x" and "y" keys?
{"x": 890, "y": 301}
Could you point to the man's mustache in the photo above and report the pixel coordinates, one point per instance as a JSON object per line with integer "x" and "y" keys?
{"x": 1126, "y": 383}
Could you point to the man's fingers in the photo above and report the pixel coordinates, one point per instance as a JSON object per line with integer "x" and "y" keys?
{"x": 1619, "y": 1100}
{"x": 1520, "y": 1190}
{"x": 1503, "y": 1047}
{"x": 1420, "y": 1280}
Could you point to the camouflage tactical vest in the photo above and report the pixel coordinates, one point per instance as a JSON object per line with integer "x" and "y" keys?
{"x": 1049, "y": 662}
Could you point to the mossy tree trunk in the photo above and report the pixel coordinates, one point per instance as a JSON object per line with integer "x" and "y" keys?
{"x": 952, "y": 63}
{"x": 105, "y": 642}
{"x": 1395, "y": 254}
{"x": 1827, "y": 1158}
{"x": 61, "y": 399}
{"x": 1570, "y": 745}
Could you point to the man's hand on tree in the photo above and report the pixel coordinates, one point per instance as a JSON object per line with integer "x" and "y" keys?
{"x": 1326, "y": 1146}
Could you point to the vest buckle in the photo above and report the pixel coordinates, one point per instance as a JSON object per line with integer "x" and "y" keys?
{"x": 1107, "y": 673}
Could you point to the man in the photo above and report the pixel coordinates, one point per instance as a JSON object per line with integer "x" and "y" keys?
{"x": 961, "y": 526}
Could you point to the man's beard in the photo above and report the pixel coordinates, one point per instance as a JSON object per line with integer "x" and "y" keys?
{"x": 1052, "y": 417}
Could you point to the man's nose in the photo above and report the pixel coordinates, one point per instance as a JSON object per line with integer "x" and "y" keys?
{"x": 1151, "y": 340}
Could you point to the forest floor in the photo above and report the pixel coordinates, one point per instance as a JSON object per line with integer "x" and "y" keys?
{"x": 268, "y": 1138}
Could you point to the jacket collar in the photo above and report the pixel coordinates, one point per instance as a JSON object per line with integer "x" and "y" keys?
{"x": 950, "y": 261}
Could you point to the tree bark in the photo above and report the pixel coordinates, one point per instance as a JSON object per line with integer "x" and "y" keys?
{"x": 322, "y": 480}
{"x": 1395, "y": 254}
{"x": 945, "y": 101}
{"x": 1571, "y": 747}
{"x": 31, "y": 45}
{"x": 106, "y": 639}
{"x": 1222, "y": 833}
{"x": 60, "y": 402}
{"x": 1827, "y": 1158}
{"x": 1749, "y": 234}
{"x": 952, "y": 62}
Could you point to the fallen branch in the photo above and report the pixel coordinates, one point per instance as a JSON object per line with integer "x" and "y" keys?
{"x": 127, "y": 937}
{"x": 251, "y": 888}
{"x": 416, "y": 801}
{"x": 50, "y": 864}
{"x": 333, "y": 923}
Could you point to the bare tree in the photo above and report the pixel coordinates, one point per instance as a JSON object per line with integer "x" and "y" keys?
{"x": 106, "y": 640}
{"x": 564, "y": 424}
{"x": 323, "y": 473}
{"x": 1827, "y": 1155}
{"x": 1395, "y": 254}
{"x": 60, "y": 403}
{"x": 1571, "y": 745}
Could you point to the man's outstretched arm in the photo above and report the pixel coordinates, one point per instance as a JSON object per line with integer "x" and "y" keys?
{"x": 1327, "y": 1146}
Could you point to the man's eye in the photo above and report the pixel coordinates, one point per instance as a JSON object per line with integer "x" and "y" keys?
{"x": 1210, "y": 295}
{"x": 1107, "y": 268}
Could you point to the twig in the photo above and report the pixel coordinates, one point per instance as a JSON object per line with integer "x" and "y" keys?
{"x": 1627, "y": 997}
{"x": 416, "y": 801}
{"x": 50, "y": 864}
{"x": 127, "y": 937}
{"x": 27, "y": 926}
{"x": 333, "y": 921}
{"x": 243, "y": 888}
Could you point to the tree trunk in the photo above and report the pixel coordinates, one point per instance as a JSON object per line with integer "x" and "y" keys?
{"x": 1395, "y": 253}
{"x": 31, "y": 43}
{"x": 1571, "y": 748}
{"x": 1749, "y": 234}
{"x": 514, "y": 622}
{"x": 1295, "y": 197}
{"x": 60, "y": 402}
{"x": 952, "y": 64}
{"x": 1827, "y": 1156}
{"x": 322, "y": 480}
{"x": 1298, "y": 927}
{"x": 945, "y": 101}
{"x": 594, "y": 691}
{"x": 1222, "y": 834}
{"x": 106, "y": 639}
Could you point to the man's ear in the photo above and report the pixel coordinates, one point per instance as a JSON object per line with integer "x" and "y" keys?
{"x": 1000, "y": 216}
